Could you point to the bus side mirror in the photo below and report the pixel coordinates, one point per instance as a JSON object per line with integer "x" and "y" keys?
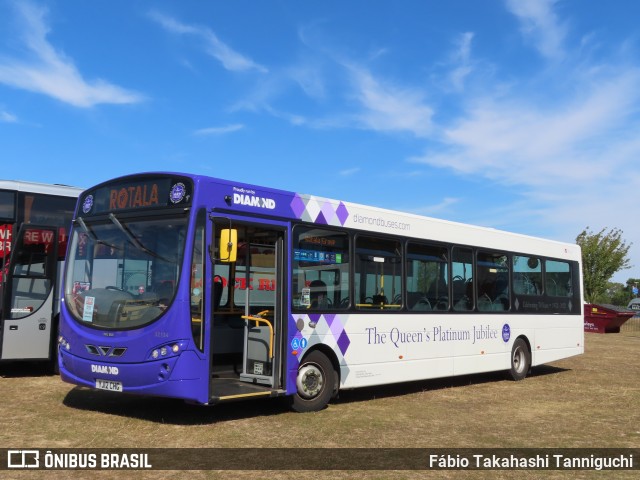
{"x": 228, "y": 245}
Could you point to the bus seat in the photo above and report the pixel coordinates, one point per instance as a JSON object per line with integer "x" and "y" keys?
{"x": 484, "y": 303}
{"x": 318, "y": 294}
{"x": 423, "y": 305}
{"x": 413, "y": 298}
{"x": 459, "y": 289}
{"x": 380, "y": 300}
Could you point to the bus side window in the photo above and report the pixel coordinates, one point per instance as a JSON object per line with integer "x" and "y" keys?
{"x": 557, "y": 278}
{"x": 427, "y": 277}
{"x": 493, "y": 281}
{"x": 378, "y": 273}
{"x": 462, "y": 278}
{"x": 527, "y": 275}
{"x": 321, "y": 278}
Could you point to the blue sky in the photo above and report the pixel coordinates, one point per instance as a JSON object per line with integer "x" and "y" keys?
{"x": 514, "y": 114}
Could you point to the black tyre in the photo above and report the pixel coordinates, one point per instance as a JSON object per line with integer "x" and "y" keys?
{"x": 520, "y": 360}
{"x": 315, "y": 383}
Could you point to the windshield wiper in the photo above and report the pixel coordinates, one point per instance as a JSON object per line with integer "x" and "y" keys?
{"x": 87, "y": 231}
{"x": 133, "y": 239}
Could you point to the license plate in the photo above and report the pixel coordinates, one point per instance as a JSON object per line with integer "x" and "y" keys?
{"x": 108, "y": 385}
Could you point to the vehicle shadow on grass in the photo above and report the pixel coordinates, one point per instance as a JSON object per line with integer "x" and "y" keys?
{"x": 408, "y": 388}
{"x": 168, "y": 410}
{"x": 26, "y": 369}
{"x": 177, "y": 412}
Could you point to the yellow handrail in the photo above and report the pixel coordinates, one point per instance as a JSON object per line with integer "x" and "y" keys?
{"x": 378, "y": 305}
{"x": 258, "y": 319}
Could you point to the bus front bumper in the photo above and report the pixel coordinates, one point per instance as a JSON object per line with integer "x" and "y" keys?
{"x": 174, "y": 377}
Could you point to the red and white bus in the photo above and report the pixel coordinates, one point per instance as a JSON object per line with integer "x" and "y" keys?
{"x": 34, "y": 222}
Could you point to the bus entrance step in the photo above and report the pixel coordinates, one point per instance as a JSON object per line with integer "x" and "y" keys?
{"x": 225, "y": 389}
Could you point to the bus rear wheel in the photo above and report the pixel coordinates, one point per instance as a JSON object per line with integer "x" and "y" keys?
{"x": 520, "y": 360}
{"x": 315, "y": 383}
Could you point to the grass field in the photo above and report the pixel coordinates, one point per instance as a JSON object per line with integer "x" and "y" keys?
{"x": 589, "y": 401}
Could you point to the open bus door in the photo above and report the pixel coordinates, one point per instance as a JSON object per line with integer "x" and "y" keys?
{"x": 248, "y": 315}
{"x": 28, "y": 296}
{"x": 6, "y": 231}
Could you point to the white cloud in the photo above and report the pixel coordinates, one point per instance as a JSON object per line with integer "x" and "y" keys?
{"x": 229, "y": 58}
{"x": 347, "y": 172}
{"x": 437, "y": 209}
{"x": 7, "y": 117}
{"x": 309, "y": 79}
{"x": 389, "y": 108}
{"x": 461, "y": 58}
{"x": 540, "y": 25}
{"x": 50, "y": 72}
{"x": 213, "y": 131}
{"x": 522, "y": 143}
{"x": 564, "y": 139}
{"x": 376, "y": 104}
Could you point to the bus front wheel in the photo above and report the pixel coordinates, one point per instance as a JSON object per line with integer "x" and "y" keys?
{"x": 520, "y": 360}
{"x": 315, "y": 383}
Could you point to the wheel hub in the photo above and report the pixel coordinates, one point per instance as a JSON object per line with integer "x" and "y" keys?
{"x": 309, "y": 381}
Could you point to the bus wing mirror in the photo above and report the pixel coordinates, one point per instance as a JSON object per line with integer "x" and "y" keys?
{"x": 228, "y": 245}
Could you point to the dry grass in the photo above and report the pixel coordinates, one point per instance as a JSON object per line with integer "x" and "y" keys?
{"x": 590, "y": 401}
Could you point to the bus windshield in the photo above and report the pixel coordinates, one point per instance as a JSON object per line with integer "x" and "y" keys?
{"x": 123, "y": 273}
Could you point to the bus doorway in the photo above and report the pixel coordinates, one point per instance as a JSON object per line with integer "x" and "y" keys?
{"x": 248, "y": 313}
{"x": 27, "y": 323}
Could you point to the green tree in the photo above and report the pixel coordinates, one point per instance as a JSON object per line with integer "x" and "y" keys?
{"x": 603, "y": 255}
{"x": 629, "y": 288}
{"x": 617, "y": 294}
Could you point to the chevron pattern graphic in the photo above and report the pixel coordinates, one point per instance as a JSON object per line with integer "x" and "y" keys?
{"x": 329, "y": 330}
{"x": 319, "y": 210}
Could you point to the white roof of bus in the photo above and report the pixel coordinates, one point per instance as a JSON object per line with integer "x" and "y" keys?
{"x": 44, "y": 188}
{"x": 460, "y": 233}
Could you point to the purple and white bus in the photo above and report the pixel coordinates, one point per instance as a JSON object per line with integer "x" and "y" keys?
{"x": 210, "y": 290}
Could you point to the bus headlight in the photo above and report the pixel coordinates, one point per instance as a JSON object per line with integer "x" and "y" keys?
{"x": 168, "y": 350}
{"x": 63, "y": 344}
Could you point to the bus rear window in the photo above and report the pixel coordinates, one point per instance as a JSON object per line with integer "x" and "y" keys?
{"x": 557, "y": 278}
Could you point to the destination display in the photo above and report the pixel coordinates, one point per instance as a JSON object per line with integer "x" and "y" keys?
{"x": 133, "y": 195}
{"x": 314, "y": 256}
